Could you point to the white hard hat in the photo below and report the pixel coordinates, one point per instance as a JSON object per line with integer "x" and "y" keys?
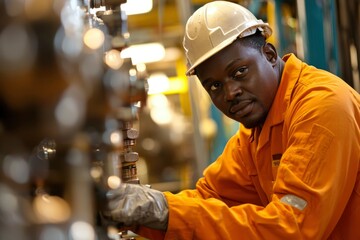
{"x": 216, "y": 25}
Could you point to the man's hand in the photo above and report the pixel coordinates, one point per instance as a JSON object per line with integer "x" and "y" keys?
{"x": 133, "y": 204}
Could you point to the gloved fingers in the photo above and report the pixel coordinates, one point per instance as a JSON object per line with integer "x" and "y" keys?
{"x": 133, "y": 204}
{"x": 125, "y": 189}
{"x": 117, "y": 193}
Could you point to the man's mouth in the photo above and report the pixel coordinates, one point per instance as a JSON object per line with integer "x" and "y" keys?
{"x": 242, "y": 108}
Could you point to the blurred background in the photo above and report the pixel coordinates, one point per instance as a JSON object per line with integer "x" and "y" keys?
{"x": 93, "y": 93}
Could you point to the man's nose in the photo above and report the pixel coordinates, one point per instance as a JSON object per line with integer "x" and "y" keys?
{"x": 232, "y": 89}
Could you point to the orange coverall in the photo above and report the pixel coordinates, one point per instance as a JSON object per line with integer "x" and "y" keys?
{"x": 308, "y": 147}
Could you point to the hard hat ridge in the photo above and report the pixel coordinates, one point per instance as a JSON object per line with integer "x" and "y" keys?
{"x": 214, "y": 26}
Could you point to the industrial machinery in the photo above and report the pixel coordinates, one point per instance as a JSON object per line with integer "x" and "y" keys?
{"x": 68, "y": 112}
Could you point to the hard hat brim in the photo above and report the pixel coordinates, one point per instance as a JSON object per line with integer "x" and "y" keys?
{"x": 210, "y": 53}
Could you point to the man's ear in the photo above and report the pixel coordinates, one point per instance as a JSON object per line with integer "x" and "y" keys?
{"x": 270, "y": 53}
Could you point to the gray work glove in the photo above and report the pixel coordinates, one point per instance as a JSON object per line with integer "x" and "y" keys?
{"x": 133, "y": 204}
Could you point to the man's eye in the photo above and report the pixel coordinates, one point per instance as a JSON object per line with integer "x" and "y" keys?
{"x": 215, "y": 86}
{"x": 239, "y": 72}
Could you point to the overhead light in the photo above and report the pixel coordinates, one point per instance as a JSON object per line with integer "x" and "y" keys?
{"x": 158, "y": 83}
{"x": 160, "y": 109}
{"x": 172, "y": 54}
{"x": 144, "y": 53}
{"x": 113, "y": 60}
{"x": 94, "y": 38}
{"x": 132, "y": 7}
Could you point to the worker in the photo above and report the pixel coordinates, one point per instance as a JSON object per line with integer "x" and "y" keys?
{"x": 292, "y": 169}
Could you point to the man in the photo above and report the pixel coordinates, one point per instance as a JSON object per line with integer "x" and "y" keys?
{"x": 291, "y": 171}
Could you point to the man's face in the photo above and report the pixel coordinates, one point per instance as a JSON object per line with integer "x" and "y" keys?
{"x": 242, "y": 81}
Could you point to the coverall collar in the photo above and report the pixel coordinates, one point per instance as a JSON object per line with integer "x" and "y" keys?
{"x": 288, "y": 80}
